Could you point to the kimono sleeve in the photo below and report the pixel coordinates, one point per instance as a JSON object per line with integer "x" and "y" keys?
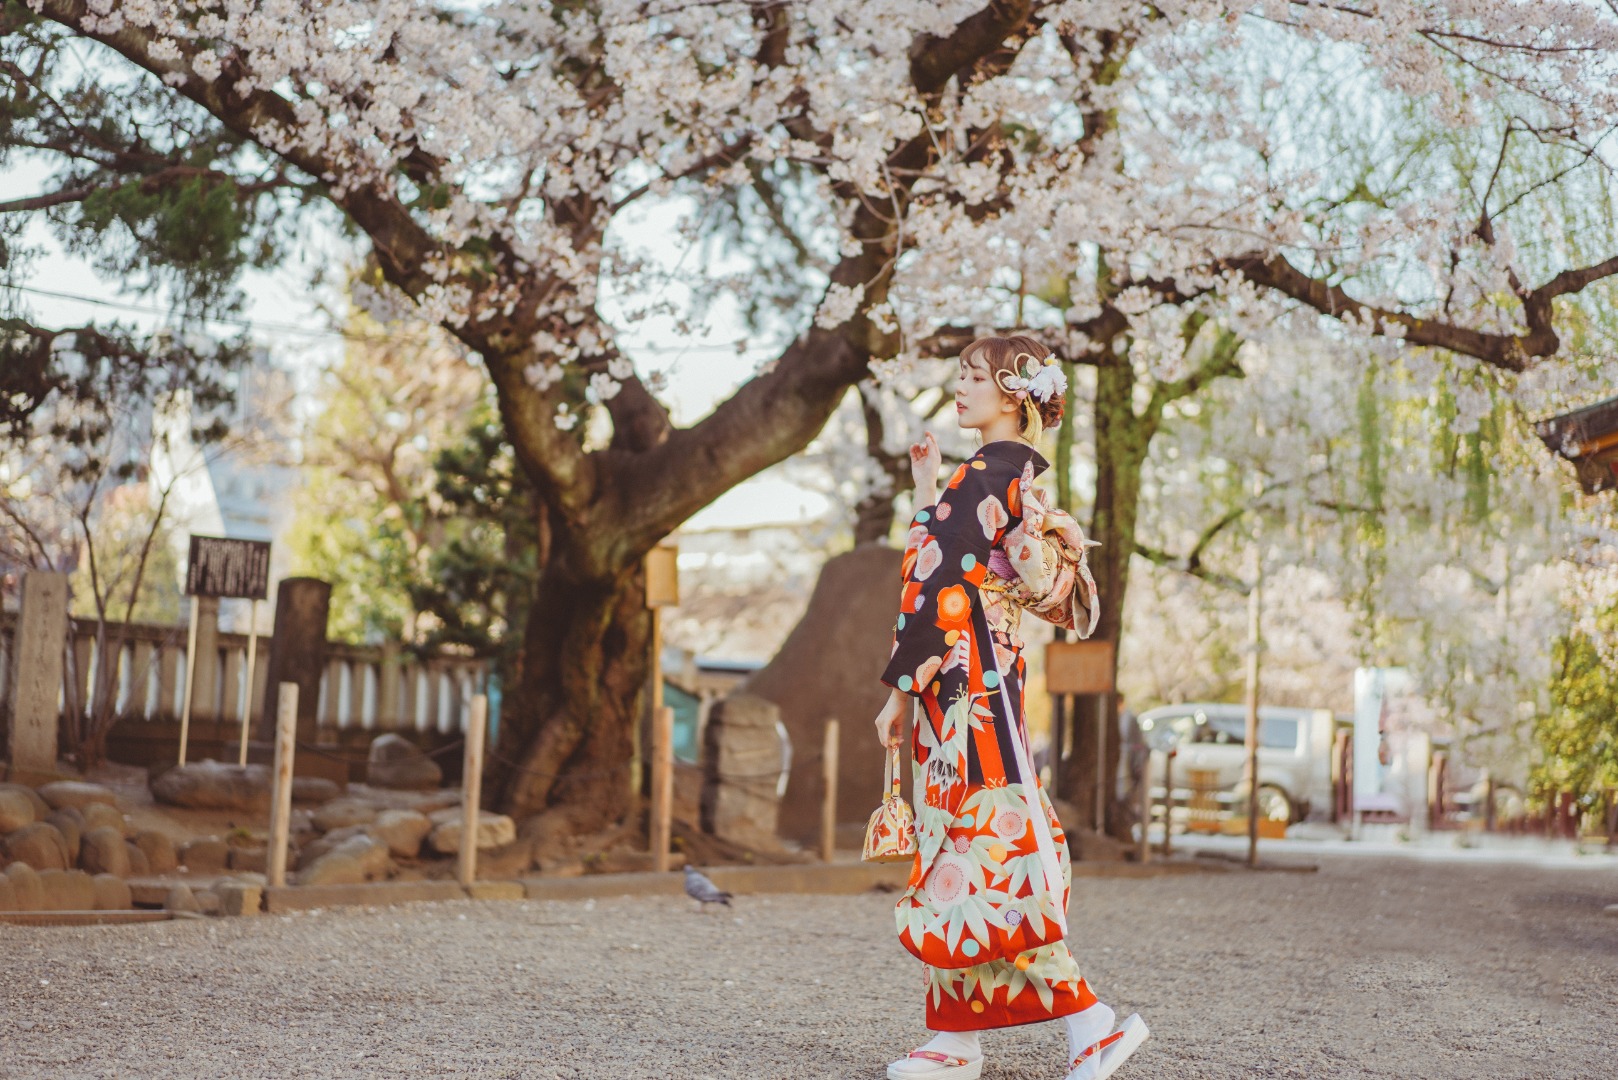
{"x": 946, "y": 557}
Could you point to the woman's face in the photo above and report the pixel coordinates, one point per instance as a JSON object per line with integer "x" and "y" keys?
{"x": 978, "y": 400}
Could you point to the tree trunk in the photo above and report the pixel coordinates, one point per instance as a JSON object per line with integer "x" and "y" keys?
{"x": 1121, "y": 440}
{"x": 567, "y": 729}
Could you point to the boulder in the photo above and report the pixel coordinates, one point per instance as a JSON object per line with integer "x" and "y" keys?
{"x": 97, "y": 814}
{"x": 328, "y": 843}
{"x": 159, "y": 851}
{"x": 16, "y": 810}
{"x": 250, "y": 859}
{"x": 39, "y": 845}
{"x": 67, "y": 890}
{"x": 209, "y": 785}
{"x": 8, "y": 894}
{"x": 355, "y": 861}
{"x": 112, "y": 893}
{"x": 207, "y": 855}
{"x": 41, "y": 807}
{"x": 239, "y": 898}
{"x": 70, "y": 823}
{"x": 139, "y": 864}
{"x": 104, "y": 851}
{"x": 314, "y": 789}
{"x": 207, "y": 901}
{"x": 494, "y": 830}
{"x": 403, "y": 831}
{"x": 395, "y": 762}
{"x": 25, "y": 884}
{"x": 181, "y": 898}
{"x": 60, "y": 793}
{"x": 342, "y": 813}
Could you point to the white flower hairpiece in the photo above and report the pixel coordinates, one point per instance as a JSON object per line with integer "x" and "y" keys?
{"x": 1043, "y": 379}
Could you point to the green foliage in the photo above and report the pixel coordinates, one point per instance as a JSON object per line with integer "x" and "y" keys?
{"x": 1578, "y": 737}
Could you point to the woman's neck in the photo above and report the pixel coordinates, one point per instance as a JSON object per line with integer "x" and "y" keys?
{"x": 1000, "y": 429}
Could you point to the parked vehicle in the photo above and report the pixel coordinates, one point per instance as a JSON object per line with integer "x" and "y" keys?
{"x": 1294, "y": 753}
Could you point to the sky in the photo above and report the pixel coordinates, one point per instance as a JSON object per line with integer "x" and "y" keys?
{"x": 290, "y": 319}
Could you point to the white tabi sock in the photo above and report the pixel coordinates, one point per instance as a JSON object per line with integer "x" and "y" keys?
{"x": 1087, "y": 1027}
{"x": 961, "y": 1044}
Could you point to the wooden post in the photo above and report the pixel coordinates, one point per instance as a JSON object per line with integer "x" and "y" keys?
{"x": 1146, "y": 811}
{"x": 1102, "y": 786}
{"x": 828, "y": 795}
{"x": 1168, "y": 799}
{"x": 190, "y": 675}
{"x": 662, "y": 787}
{"x": 247, "y": 709}
{"x": 1255, "y": 604}
{"x": 286, "y": 744}
{"x": 477, "y": 721}
{"x": 35, "y": 676}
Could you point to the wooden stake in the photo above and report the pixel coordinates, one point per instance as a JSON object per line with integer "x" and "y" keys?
{"x": 247, "y": 711}
{"x": 1146, "y": 812}
{"x": 472, "y": 789}
{"x": 190, "y": 676}
{"x": 1168, "y": 798}
{"x": 662, "y": 786}
{"x": 828, "y": 804}
{"x": 1101, "y": 763}
{"x": 286, "y": 745}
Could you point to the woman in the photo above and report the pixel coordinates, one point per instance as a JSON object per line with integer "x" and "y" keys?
{"x": 986, "y": 904}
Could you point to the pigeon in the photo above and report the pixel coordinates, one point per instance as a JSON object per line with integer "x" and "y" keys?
{"x": 700, "y": 889}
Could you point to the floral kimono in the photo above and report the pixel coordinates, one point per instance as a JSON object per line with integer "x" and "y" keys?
{"x": 985, "y": 907}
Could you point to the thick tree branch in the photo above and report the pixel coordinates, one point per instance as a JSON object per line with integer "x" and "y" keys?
{"x": 1511, "y": 352}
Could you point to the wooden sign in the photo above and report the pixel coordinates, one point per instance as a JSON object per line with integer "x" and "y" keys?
{"x": 663, "y": 576}
{"x": 219, "y": 566}
{"x": 1078, "y": 667}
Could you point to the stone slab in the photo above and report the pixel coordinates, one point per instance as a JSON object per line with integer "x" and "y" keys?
{"x": 81, "y": 918}
{"x": 284, "y": 898}
{"x": 496, "y": 890}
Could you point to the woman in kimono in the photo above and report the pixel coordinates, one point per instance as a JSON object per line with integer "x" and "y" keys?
{"x": 985, "y": 907}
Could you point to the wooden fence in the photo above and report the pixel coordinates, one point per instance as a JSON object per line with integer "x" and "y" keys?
{"x": 364, "y": 689}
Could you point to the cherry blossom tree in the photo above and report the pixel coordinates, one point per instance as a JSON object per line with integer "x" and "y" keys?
{"x": 1153, "y": 157}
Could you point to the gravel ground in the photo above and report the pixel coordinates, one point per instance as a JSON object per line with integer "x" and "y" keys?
{"x": 1369, "y": 968}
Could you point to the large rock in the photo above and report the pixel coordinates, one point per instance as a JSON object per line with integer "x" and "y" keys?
{"x": 830, "y": 665}
{"x": 39, "y": 845}
{"x": 494, "y": 830}
{"x": 181, "y": 899}
{"x": 253, "y": 859}
{"x": 16, "y": 810}
{"x": 314, "y": 789}
{"x": 70, "y": 823}
{"x": 158, "y": 848}
{"x": 209, "y": 785}
{"x": 99, "y": 814}
{"x": 207, "y": 855}
{"x": 8, "y": 894}
{"x": 67, "y": 890}
{"x": 77, "y": 793}
{"x": 341, "y": 813}
{"x": 356, "y": 860}
{"x": 41, "y": 807}
{"x": 742, "y": 752}
{"x": 25, "y": 884}
{"x": 139, "y": 864}
{"x": 395, "y": 762}
{"x": 319, "y": 848}
{"x": 104, "y": 851}
{"x": 112, "y": 893}
{"x": 239, "y": 898}
{"x": 403, "y": 831}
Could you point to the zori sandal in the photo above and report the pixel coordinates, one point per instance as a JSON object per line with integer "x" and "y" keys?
{"x": 1087, "y": 1066}
{"x": 932, "y": 1065}
{"x": 1130, "y": 1034}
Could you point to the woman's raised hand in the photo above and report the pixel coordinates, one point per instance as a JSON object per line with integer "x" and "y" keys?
{"x": 925, "y": 460}
{"x": 890, "y": 721}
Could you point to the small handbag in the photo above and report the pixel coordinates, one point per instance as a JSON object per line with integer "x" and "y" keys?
{"x": 890, "y": 835}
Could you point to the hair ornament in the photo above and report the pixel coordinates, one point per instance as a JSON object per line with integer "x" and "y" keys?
{"x": 1042, "y": 379}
